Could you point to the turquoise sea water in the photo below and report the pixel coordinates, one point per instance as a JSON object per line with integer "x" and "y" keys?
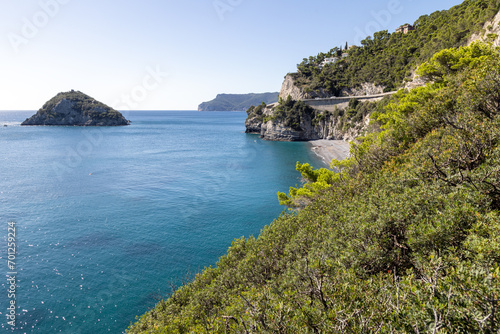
{"x": 107, "y": 217}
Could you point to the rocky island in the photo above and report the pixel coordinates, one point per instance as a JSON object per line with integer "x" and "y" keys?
{"x": 75, "y": 108}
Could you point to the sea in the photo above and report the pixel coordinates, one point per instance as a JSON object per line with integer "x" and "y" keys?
{"x": 97, "y": 224}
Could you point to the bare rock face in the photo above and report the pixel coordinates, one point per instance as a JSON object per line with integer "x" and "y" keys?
{"x": 415, "y": 82}
{"x": 328, "y": 128}
{"x": 491, "y": 33}
{"x": 320, "y": 125}
{"x": 276, "y": 130}
{"x": 290, "y": 88}
{"x": 367, "y": 88}
{"x": 76, "y": 109}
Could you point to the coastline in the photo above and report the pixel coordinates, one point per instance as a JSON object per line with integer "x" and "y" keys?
{"x": 328, "y": 150}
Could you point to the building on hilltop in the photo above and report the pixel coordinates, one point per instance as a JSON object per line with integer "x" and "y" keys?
{"x": 405, "y": 28}
{"x": 327, "y": 61}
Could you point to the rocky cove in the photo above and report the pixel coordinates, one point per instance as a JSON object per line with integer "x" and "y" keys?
{"x": 322, "y": 117}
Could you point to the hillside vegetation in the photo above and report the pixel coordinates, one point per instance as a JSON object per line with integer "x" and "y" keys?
{"x": 406, "y": 239}
{"x": 387, "y": 59}
{"x": 83, "y": 104}
{"x": 75, "y": 108}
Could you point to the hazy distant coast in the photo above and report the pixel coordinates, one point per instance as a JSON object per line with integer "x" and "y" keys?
{"x": 238, "y": 102}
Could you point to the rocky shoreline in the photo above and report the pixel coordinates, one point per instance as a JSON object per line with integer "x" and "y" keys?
{"x": 328, "y": 150}
{"x": 323, "y": 125}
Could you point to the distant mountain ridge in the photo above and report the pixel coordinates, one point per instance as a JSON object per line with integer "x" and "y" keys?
{"x": 238, "y": 102}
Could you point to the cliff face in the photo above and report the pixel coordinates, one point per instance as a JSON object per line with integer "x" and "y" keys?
{"x": 491, "y": 31}
{"x": 76, "y": 109}
{"x": 366, "y": 88}
{"x": 290, "y": 88}
{"x": 278, "y": 131}
{"x": 321, "y": 125}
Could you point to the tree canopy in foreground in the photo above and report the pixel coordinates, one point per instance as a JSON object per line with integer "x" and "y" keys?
{"x": 405, "y": 239}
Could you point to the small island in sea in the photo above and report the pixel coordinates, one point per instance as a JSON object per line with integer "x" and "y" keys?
{"x": 75, "y": 108}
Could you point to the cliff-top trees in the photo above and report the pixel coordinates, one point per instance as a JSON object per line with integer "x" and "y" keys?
{"x": 387, "y": 59}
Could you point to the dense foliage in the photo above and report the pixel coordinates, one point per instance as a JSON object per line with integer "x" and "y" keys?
{"x": 257, "y": 111}
{"x": 356, "y": 111}
{"x": 237, "y": 102}
{"x": 292, "y": 113}
{"x": 405, "y": 239}
{"x": 317, "y": 182}
{"x": 386, "y": 59}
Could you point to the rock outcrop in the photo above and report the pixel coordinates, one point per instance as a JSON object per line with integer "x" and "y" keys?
{"x": 290, "y": 88}
{"x": 276, "y": 130}
{"x": 317, "y": 125}
{"x": 324, "y": 121}
{"x": 414, "y": 82}
{"x": 76, "y": 109}
{"x": 491, "y": 32}
{"x": 367, "y": 88}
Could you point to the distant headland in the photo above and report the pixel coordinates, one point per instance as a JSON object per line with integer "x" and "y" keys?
{"x": 237, "y": 102}
{"x": 75, "y": 108}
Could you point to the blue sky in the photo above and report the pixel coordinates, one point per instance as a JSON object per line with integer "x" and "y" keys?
{"x": 173, "y": 55}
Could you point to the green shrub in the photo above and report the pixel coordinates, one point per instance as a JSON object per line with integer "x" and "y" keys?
{"x": 405, "y": 238}
{"x": 386, "y": 59}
